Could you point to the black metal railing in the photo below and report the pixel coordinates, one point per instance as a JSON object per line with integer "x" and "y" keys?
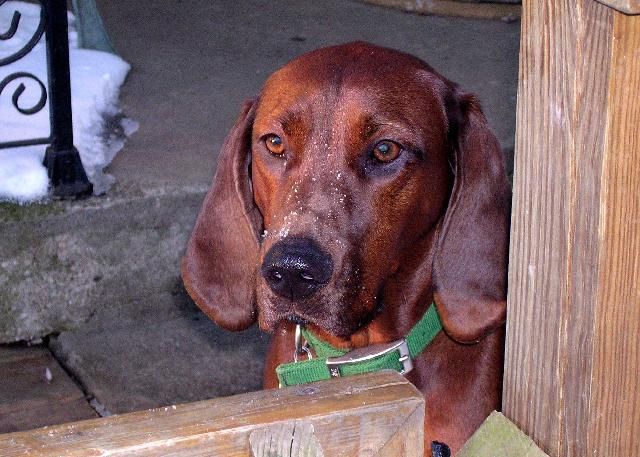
{"x": 64, "y": 167}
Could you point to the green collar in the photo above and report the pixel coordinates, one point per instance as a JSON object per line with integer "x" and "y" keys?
{"x": 333, "y": 363}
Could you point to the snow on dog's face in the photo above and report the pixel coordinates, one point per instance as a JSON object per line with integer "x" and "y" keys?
{"x": 350, "y": 173}
{"x": 359, "y": 179}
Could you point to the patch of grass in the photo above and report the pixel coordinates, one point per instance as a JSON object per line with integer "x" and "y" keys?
{"x": 13, "y": 212}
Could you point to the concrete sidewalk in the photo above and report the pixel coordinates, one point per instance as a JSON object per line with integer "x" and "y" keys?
{"x": 138, "y": 341}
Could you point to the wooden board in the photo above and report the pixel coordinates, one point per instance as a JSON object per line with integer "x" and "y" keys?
{"x": 30, "y": 398}
{"x": 573, "y": 328}
{"x": 454, "y": 8}
{"x": 373, "y": 415}
{"x": 625, "y": 6}
{"x": 614, "y": 422}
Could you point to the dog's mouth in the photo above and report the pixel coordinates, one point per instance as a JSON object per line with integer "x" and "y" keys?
{"x": 322, "y": 323}
{"x": 339, "y": 315}
{"x": 270, "y": 322}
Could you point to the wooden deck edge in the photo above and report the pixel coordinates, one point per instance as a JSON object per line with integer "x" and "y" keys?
{"x": 494, "y": 11}
{"x": 353, "y": 416}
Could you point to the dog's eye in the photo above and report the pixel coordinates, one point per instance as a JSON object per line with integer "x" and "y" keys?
{"x": 274, "y": 144}
{"x": 386, "y": 151}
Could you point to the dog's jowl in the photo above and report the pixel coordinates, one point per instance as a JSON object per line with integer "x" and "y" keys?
{"x": 361, "y": 197}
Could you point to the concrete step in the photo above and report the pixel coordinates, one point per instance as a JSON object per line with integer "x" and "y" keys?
{"x": 152, "y": 362}
{"x": 63, "y": 262}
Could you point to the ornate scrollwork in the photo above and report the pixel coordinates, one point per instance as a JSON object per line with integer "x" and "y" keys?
{"x": 21, "y": 88}
{"x": 29, "y": 45}
{"x": 15, "y": 22}
{"x": 62, "y": 160}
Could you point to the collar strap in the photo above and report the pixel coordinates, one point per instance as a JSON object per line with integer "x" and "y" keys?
{"x": 332, "y": 362}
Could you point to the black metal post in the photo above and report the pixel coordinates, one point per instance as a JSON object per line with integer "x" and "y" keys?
{"x": 68, "y": 178}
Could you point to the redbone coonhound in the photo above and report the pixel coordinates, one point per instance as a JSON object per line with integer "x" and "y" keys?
{"x": 358, "y": 188}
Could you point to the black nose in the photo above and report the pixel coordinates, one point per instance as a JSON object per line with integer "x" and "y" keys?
{"x": 296, "y": 267}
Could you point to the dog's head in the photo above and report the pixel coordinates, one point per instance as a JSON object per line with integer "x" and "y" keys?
{"x": 355, "y": 165}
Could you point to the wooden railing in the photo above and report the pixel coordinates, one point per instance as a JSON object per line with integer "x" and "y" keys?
{"x": 573, "y": 323}
{"x": 379, "y": 415}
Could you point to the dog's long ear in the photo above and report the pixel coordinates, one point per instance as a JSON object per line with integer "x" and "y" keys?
{"x": 470, "y": 264}
{"x": 220, "y": 262}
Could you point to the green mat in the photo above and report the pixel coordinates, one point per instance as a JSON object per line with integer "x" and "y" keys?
{"x": 499, "y": 437}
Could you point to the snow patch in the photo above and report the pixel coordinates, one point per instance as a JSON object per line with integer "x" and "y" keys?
{"x": 99, "y": 128}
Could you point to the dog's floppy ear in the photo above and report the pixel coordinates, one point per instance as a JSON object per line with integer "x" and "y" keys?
{"x": 220, "y": 262}
{"x": 470, "y": 263}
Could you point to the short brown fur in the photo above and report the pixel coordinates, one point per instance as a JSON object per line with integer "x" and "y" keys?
{"x": 431, "y": 226}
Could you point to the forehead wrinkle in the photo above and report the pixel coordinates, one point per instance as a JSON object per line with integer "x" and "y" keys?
{"x": 399, "y": 129}
{"x": 324, "y": 112}
{"x": 370, "y": 124}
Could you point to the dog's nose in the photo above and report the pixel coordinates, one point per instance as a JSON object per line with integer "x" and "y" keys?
{"x": 296, "y": 267}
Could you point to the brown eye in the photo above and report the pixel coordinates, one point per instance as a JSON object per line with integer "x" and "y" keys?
{"x": 386, "y": 151}
{"x": 274, "y": 144}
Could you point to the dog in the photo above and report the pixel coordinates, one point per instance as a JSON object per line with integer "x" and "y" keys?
{"x": 357, "y": 189}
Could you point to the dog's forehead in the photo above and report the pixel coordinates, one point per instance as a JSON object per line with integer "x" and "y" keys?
{"x": 355, "y": 60}
{"x": 357, "y": 73}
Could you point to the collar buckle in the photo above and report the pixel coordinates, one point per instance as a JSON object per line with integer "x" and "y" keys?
{"x": 302, "y": 346}
{"x": 371, "y": 352}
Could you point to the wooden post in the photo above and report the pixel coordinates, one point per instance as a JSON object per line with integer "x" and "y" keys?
{"x": 572, "y": 369}
{"x": 379, "y": 415}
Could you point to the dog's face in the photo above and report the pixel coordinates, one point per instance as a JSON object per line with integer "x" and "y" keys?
{"x": 357, "y": 170}
{"x": 350, "y": 171}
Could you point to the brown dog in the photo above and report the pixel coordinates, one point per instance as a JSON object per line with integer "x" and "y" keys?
{"x": 359, "y": 188}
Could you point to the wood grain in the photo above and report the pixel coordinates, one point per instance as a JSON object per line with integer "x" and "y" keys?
{"x": 293, "y": 439}
{"x": 625, "y": 6}
{"x": 454, "y": 8}
{"x": 572, "y": 129}
{"x": 614, "y": 428}
{"x": 35, "y": 391}
{"x": 346, "y": 417}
